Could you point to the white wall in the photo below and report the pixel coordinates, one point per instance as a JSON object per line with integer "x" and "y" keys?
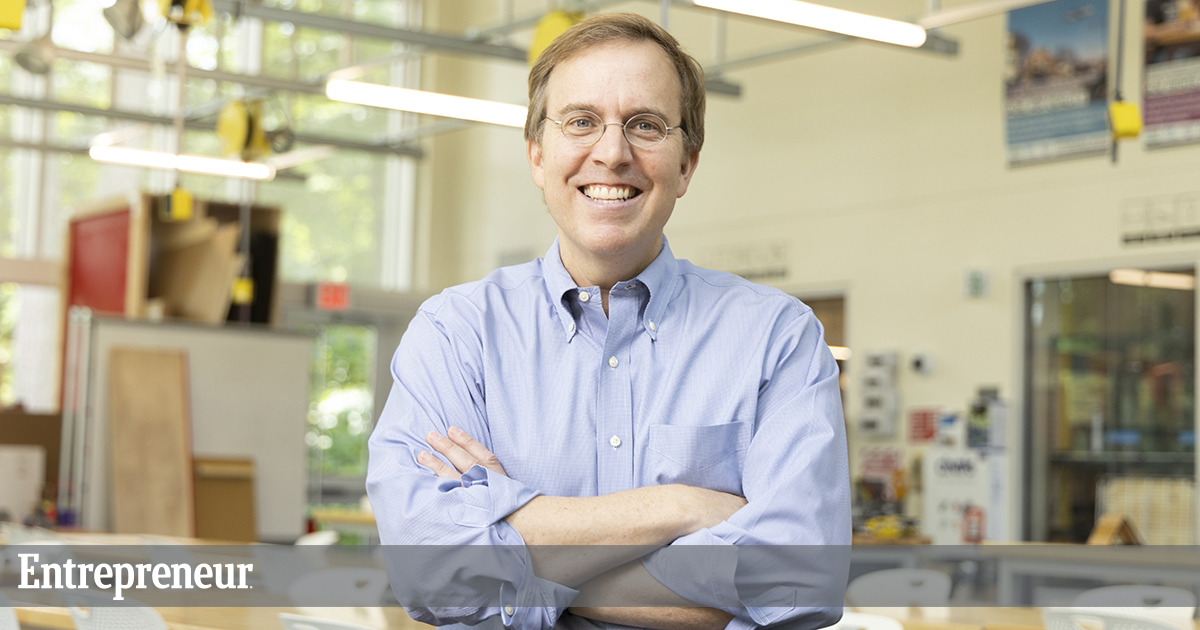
{"x": 877, "y": 172}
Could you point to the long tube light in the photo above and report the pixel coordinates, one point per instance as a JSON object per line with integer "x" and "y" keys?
{"x": 1156, "y": 279}
{"x": 825, "y": 18}
{"x": 189, "y": 163}
{"x": 422, "y": 102}
{"x": 841, "y": 353}
{"x": 954, "y": 15}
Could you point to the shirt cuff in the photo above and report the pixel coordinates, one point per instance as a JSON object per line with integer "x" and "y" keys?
{"x": 535, "y": 602}
{"x": 709, "y": 578}
{"x": 488, "y": 497}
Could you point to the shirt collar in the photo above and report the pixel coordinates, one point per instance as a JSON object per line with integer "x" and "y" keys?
{"x": 659, "y": 278}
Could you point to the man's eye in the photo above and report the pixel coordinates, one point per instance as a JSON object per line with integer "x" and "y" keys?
{"x": 580, "y": 123}
{"x": 645, "y": 125}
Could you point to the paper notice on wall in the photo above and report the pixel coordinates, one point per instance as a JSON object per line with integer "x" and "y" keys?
{"x": 1056, "y": 81}
{"x": 957, "y": 495}
{"x": 1171, "y": 93}
{"x": 879, "y": 463}
{"x": 23, "y": 469}
{"x": 922, "y": 424}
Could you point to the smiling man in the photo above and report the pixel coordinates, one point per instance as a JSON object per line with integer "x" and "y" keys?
{"x": 609, "y": 404}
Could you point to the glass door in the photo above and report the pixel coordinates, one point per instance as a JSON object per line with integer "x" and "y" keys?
{"x": 1110, "y": 403}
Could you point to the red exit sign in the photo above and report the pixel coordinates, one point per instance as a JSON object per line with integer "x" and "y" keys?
{"x": 333, "y": 296}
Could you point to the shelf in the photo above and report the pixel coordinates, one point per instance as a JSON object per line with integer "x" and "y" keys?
{"x": 1121, "y": 457}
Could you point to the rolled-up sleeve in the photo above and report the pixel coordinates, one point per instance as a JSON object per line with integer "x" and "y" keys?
{"x": 796, "y": 483}
{"x": 437, "y": 383}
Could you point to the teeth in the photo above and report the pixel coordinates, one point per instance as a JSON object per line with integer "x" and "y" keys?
{"x": 609, "y": 193}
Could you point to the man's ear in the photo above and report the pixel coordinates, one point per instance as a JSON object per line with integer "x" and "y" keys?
{"x": 686, "y": 170}
{"x": 534, "y": 152}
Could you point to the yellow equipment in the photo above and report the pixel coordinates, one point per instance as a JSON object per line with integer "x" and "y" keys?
{"x": 1125, "y": 118}
{"x": 11, "y": 12}
{"x": 239, "y": 126}
{"x": 243, "y": 291}
{"x": 186, "y": 12}
{"x": 551, "y": 25}
{"x": 176, "y": 206}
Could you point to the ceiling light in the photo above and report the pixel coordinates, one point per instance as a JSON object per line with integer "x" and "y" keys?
{"x": 841, "y": 353}
{"x": 955, "y": 15}
{"x": 1155, "y": 279}
{"x": 37, "y": 56}
{"x": 422, "y": 102}
{"x": 188, "y": 163}
{"x": 825, "y": 19}
{"x": 125, "y": 16}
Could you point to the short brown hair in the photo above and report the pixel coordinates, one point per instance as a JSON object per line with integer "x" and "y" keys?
{"x": 610, "y": 27}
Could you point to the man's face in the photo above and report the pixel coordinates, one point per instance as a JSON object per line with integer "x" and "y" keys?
{"x": 612, "y": 199}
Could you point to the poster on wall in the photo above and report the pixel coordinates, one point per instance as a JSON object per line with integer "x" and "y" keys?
{"x": 1056, "y": 81}
{"x": 957, "y": 496}
{"x": 1172, "y": 89}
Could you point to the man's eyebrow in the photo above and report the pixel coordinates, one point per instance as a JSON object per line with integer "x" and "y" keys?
{"x": 588, "y": 107}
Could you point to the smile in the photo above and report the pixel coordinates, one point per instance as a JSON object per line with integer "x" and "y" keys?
{"x": 600, "y": 192}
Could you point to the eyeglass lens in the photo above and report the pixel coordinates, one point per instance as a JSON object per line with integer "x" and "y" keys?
{"x": 643, "y": 130}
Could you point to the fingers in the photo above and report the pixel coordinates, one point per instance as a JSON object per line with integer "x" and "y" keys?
{"x": 462, "y": 450}
{"x": 438, "y": 467}
{"x": 477, "y": 451}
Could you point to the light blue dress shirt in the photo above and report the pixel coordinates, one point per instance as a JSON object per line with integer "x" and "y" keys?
{"x": 695, "y": 376}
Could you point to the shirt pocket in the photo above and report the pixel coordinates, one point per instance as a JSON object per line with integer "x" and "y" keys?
{"x": 702, "y": 456}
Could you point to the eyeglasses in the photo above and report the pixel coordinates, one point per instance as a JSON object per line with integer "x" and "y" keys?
{"x": 585, "y": 129}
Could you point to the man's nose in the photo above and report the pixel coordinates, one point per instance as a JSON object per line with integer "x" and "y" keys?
{"x": 612, "y": 149}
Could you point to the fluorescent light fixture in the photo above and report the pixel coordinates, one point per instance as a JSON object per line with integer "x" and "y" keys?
{"x": 189, "y": 163}
{"x": 825, "y": 19}
{"x": 1155, "y": 279}
{"x": 422, "y": 102}
{"x": 969, "y": 12}
{"x": 841, "y": 353}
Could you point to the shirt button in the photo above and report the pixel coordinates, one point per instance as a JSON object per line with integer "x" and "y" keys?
{"x": 509, "y": 610}
{"x": 571, "y": 327}
{"x": 583, "y": 296}
{"x": 612, "y": 362}
{"x": 653, "y": 327}
{"x": 615, "y": 441}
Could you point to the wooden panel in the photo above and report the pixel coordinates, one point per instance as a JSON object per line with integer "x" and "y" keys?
{"x": 18, "y": 427}
{"x": 225, "y": 500}
{"x": 150, "y": 434}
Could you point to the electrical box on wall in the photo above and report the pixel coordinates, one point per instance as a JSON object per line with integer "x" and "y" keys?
{"x": 879, "y": 399}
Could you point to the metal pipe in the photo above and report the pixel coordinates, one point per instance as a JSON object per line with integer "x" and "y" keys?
{"x": 396, "y": 149}
{"x": 435, "y": 41}
{"x": 131, "y": 63}
{"x": 530, "y": 21}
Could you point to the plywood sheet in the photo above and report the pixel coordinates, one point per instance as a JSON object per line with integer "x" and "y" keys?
{"x": 194, "y": 280}
{"x": 150, "y": 435}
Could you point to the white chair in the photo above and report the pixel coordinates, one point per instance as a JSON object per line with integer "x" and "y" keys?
{"x": 95, "y": 611}
{"x": 900, "y": 587}
{"x": 865, "y": 621}
{"x": 8, "y": 617}
{"x": 1155, "y": 601}
{"x": 304, "y": 622}
{"x": 1096, "y": 619}
{"x": 344, "y": 586}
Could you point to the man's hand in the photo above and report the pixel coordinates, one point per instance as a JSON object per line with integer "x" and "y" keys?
{"x": 462, "y": 450}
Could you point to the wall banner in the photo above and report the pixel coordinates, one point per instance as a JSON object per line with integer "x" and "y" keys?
{"x": 1056, "y": 81}
{"x": 1172, "y": 89}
